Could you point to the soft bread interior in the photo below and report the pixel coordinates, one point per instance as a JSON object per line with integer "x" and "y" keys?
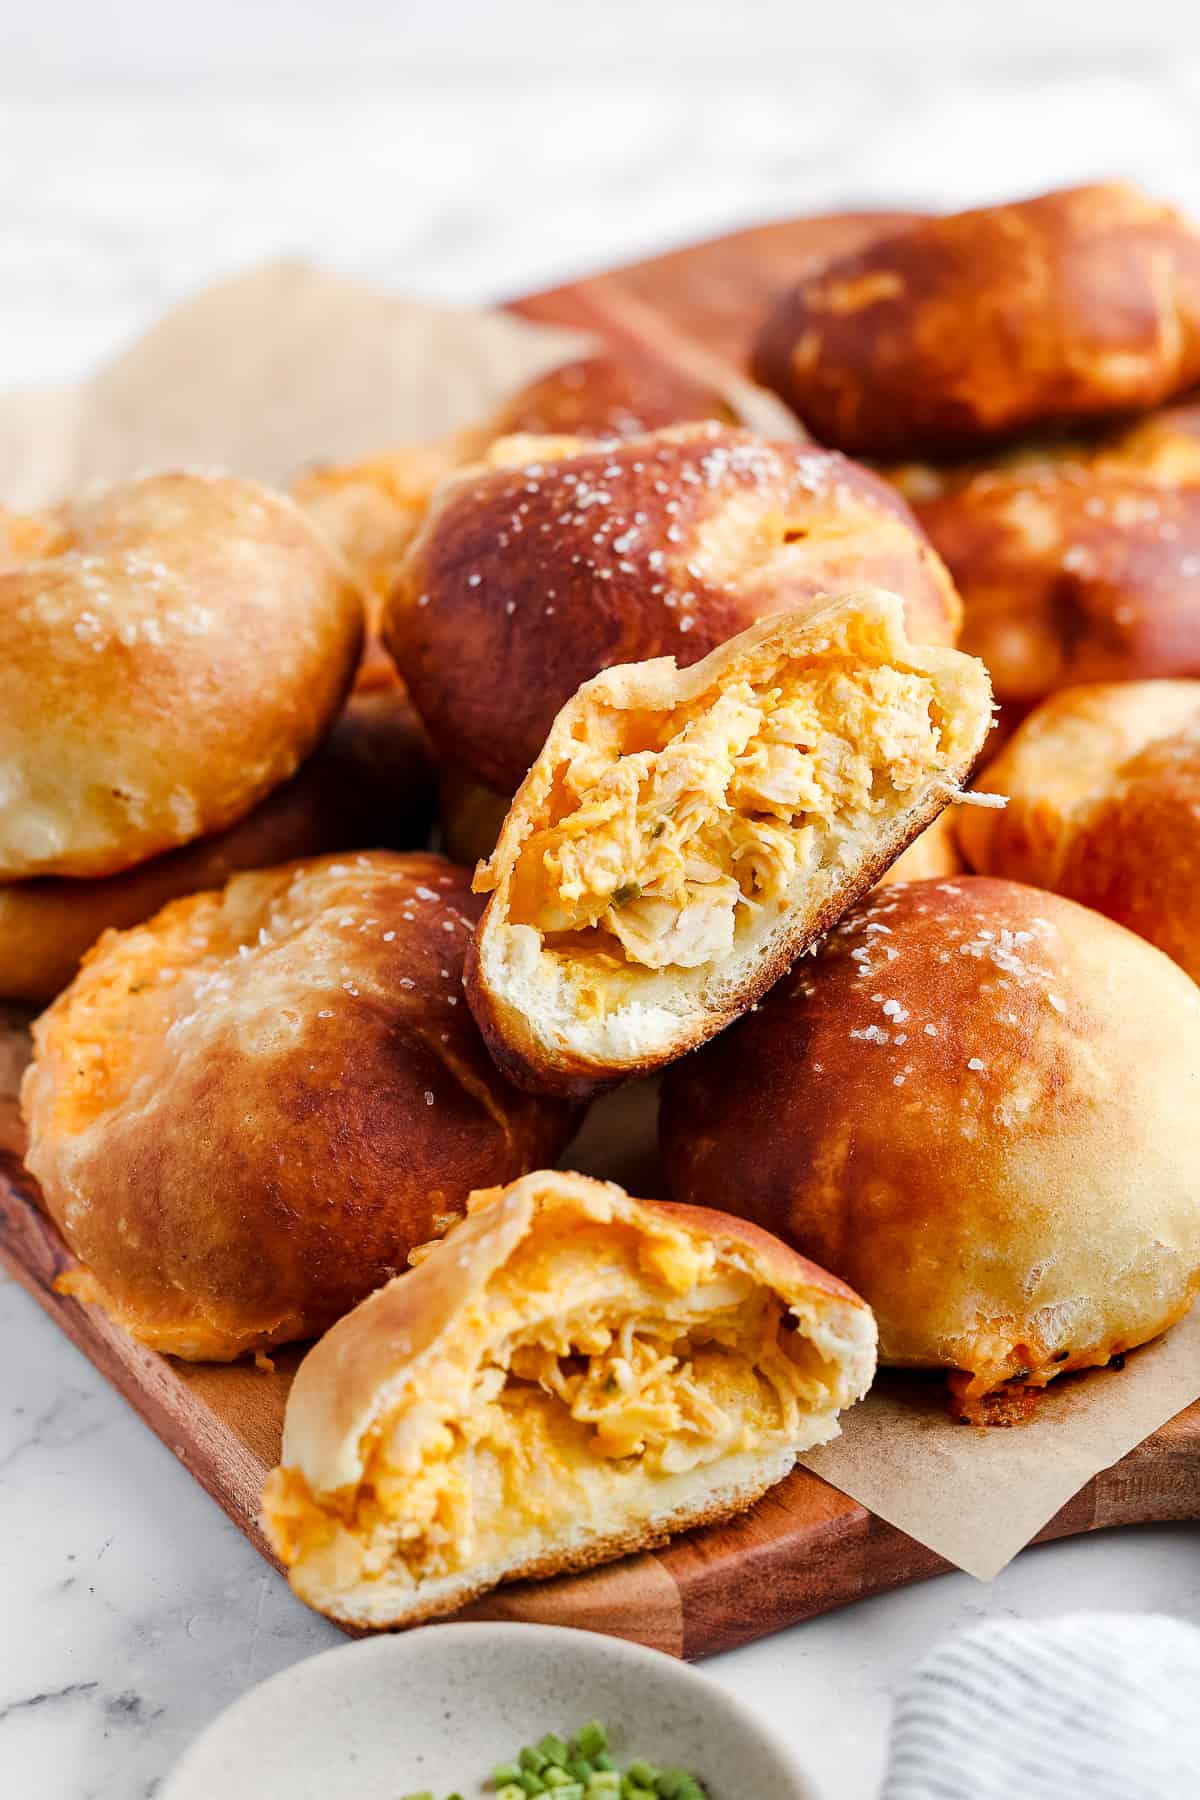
{"x": 611, "y": 1379}
{"x": 673, "y": 846}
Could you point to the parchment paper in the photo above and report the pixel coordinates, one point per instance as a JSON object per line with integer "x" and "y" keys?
{"x": 975, "y": 1494}
{"x": 265, "y": 374}
{"x": 286, "y": 366}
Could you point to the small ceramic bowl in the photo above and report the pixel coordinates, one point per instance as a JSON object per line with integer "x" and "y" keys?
{"x": 436, "y": 1708}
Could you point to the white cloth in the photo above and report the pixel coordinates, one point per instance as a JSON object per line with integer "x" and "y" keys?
{"x": 1092, "y": 1706}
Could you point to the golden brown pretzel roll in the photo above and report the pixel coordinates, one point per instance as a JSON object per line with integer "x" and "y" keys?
{"x": 244, "y": 1114}
{"x": 685, "y": 835}
{"x": 372, "y": 508}
{"x": 1073, "y": 574}
{"x": 565, "y": 558}
{"x": 980, "y": 1105}
{"x": 1104, "y": 806}
{"x": 970, "y": 328}
{"x": 370, "y": 785}
{"x": 176, "y": 654}
{"x": 568, "y": 1376}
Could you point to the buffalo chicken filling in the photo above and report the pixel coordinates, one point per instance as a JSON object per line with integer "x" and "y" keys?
{"x": 669, "y": 834}
{"x": 548, "y": 1426}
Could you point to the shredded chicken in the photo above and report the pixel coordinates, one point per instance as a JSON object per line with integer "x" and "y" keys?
{"x": 665, "y": 849}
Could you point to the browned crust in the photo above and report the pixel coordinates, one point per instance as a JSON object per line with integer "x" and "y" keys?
{"x": 165, "y": 662}
{"x": 1072, "y": 574}
{"x": 322, "y": 1110}
{"x": 529, "y": 1064}
{"x": 969, "y": 328}
{"x": 369, "y": 786}
{"x": 1036, "y": 1144}
{"x": 527, "y": 579}
{"x": 1103, "y": 785}
{"x": 373, "y": 508}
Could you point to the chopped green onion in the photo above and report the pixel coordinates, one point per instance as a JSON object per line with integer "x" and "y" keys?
{"x": 580, "y": 1768}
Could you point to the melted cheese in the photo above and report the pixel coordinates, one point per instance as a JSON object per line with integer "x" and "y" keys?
{"x": 660, "y": 853}
{"x": 531, "y": 1433}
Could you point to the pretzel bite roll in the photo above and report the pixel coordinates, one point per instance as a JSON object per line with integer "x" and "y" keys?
{"x": 568, "y": 1376}
{"x": 246, "y": 1113}
{"x": 1103, "y": 787}
{"x": 168, "y": 659}
{"x": 372, "y": 508}
{"x": 565, "y": 558}
{"x": 967, "y": 329}
{"x": 685, "y": 835}
{"x": 1073, "y": 573}
{"x": 980, "y": 1105}
{"x": 370, "y": 784}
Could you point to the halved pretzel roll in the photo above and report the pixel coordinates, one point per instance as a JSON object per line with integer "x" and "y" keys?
{"x": 686, "y": 834}
{"x": 569, "y": 1375}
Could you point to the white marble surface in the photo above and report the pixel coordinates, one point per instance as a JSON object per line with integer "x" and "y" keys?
{"x": 455, "y": 150}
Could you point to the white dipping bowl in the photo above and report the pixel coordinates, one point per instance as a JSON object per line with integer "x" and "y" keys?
{"x": 437, "y": 1707}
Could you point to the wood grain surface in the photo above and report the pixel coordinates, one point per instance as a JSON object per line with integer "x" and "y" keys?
{"x": 805, "y": 1548}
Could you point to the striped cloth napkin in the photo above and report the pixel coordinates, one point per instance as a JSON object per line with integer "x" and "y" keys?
{"x": 1092, "y": 1706}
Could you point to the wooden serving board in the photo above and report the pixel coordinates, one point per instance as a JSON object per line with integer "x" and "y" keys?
{"x": 805, "y": 1548}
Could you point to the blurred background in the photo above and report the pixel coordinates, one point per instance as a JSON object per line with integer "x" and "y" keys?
{"x": 467, "y": 150}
